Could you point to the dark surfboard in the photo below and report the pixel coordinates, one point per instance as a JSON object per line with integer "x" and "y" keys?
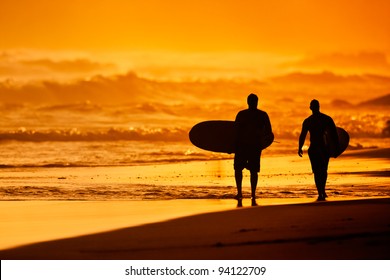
{"x": 220, "y": 136}
{"x": 331, "y": 144}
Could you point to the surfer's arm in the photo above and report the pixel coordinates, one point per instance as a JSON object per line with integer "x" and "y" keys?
{"x": 302, "y": 138}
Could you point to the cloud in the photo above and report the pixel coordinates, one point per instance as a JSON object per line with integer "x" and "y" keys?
{"x": 153, "y": 96}
{"x": 68, "y": 66}
{"x": 24, "y": 66}
{"x": 363, "y": 62}
{"x": 326, "y": 78}
{"x": 383, "y": 101}
{"x": 130, "y": 89}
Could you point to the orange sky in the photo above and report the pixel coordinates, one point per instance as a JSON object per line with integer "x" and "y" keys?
{"x": 176, "y": 39}
{"x": 202, "y": 25}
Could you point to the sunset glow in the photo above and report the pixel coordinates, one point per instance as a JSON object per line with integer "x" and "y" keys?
{"x": 162, "y": 37}
{"x": 172, "y": 63}
{"x": 249, "y": 25}
{"x": 97, "y": 99}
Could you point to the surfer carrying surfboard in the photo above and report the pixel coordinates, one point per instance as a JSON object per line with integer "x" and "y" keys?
{"x": 252, "y": 128}
{"x": 319, "y": 125}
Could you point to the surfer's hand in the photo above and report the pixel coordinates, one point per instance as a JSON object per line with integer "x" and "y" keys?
{"x": 300, "y": 152}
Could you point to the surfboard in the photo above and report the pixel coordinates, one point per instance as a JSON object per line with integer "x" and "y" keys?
{"x": 331, "y": 144}
{"x": 219, "y": 136}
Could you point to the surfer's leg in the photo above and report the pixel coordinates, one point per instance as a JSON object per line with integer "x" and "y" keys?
{"x": 320, "y": 177}
{"x": 254, "y": 179}
{"x": 239, "y": 165}
{"x": 313, "y": 156}
{"x": 318, "y": 182}
{"x": 254, "y": 168}
{"x": 318, "y": 163}
{"x": 238, "y": 177}
{"x": 325, "y": 178}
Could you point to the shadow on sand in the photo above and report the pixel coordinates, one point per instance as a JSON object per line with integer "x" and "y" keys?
{"x": 356, "y": 229}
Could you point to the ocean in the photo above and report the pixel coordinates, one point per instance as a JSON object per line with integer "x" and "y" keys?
{"x": 93, "y": 149}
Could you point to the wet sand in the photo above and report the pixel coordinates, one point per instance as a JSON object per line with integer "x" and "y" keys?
{"x": 365, "y": 174}
{"x": 344, "y": 227}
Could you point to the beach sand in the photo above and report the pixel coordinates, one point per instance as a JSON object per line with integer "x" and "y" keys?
{"x": 349, "y": 229}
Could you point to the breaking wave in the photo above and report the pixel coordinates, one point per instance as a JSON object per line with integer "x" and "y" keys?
{"x": 177, "y": 134}
{"x": 113, "y": 134}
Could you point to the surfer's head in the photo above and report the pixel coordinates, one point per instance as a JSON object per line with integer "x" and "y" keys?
{"x": 315, "y": 106}
{"x": 252, "y": 100}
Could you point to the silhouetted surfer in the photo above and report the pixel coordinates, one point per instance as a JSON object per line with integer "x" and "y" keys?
{"x": 252, "y": 125}
{"x": 317, "y": 124}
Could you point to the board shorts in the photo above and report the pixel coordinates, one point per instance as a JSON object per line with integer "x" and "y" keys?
{"x": 319, "y": 159}
{"x": 247, "y": 158}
